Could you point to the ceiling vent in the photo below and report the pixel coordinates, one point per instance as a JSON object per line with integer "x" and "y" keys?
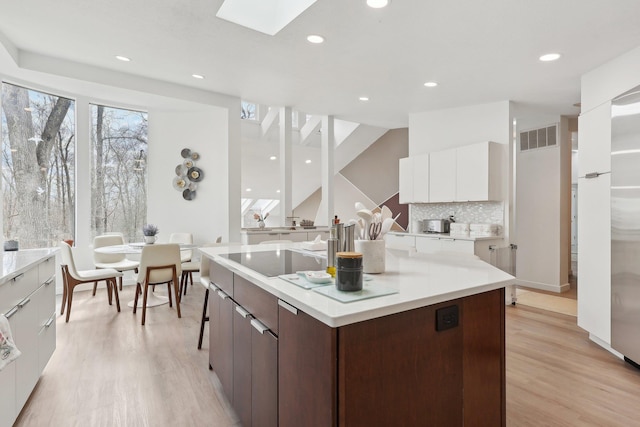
{"x": 539, "y": 138}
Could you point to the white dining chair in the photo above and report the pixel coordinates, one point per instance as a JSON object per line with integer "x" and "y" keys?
{"x": 116, "y": 261}
{"x": 187, "y": 238}
{"x": 159, "y": 263}
{"x": 72, "y": 277}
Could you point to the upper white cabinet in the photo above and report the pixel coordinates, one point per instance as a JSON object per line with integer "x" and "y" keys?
{"x": 469, "y": 173}
{"x": 442, "y": 176}
{"x": 405, "y": 182}
{"x": 478, "y": 172}
{"x": 414, "y": 179}
{"x": 594, "y": 154}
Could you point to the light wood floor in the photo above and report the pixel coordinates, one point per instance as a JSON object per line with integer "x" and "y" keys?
{"x": 108, "y": 370}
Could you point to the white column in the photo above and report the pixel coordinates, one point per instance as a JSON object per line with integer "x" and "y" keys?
{"x": 234, "y": 146}
{"x": 326, "y": 211}
{"x": 285, "y": 165}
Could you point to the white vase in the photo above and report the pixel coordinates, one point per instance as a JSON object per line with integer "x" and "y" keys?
{"x": 150, "y": 239}
{"x": 373, "y": 255}
{"x": 261, "y": 224}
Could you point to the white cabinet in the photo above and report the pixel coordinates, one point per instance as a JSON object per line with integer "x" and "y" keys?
{"x": 405, "y": 180}
{"x": 253, "y": 238}
{"x": 400, "y": 241}
{"x": 594, "y": 256}
{"x": 414, "y": 179}
{"x": 434, "y": 243}
{"x": 468, "y": 173}
{"x": 477, "y": 172}
{"x": 32, "y": 321}
{"x": 8, "y": 395}
{"x": 421, "y": 178}
{"x": 442, "y": 176}
{"x": 594, "y": 154}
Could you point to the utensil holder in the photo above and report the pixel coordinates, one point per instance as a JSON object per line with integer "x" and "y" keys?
{"x": 373, "y": 255}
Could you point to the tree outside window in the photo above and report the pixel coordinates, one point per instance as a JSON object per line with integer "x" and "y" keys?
{"x": 38, "y": 167}
{"x": 119, "y": 171}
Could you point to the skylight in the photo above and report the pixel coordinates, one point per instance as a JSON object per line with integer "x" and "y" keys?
{"x": 266, "y": 16}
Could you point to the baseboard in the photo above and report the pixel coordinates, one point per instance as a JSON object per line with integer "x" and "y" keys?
{"x": 606, "y": 346}
{"x": 543, "y": 286}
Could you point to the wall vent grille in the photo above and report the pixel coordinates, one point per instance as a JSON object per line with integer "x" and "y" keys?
{"x": 539, "y": 138}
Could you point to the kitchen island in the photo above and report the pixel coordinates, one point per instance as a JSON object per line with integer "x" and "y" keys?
{"x": 432, "y": 353}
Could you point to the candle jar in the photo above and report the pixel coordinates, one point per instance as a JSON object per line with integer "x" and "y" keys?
{"x": 349, "y": 271}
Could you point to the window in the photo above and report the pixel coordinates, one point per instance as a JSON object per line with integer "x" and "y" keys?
{"x": 249, "y": 111}
{"x": 118, "y": 171}
{"x": 38, "y": 167}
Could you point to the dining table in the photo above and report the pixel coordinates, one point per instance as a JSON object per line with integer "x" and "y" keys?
{"x": 153, "y": 300}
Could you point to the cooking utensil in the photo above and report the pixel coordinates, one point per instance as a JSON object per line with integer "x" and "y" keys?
{"x": 386, "y": 226}
{"x": 366, "y": 215}
{"x": 386, "y": 212}
{"x": 374, "y": 230}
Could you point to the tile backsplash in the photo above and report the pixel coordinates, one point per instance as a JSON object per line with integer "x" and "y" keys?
{"x": 471, "y": 212}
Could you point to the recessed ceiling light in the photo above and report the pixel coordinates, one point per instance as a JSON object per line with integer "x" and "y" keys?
{"x": 197, "y": 76}
{"x": 377, "y": 4}
{"x": 123, "y": 58}
{"x": 247, "y": 190}
{"x": 28, "y": 109}
{"x": 364, "y": 98}
{"x": 277, "y": 191}
{"x": 307, "y": 161}
{"x": 431, "y": 84}
{"x": 549, "y": 57}
{"x": 272, "y": 158}
{"x": 314, "y": 38}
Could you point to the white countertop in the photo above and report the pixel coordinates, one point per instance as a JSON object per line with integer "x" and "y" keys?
{"x": 273, "y": 230}
{"x": 17, "y": 262}
{"x": 446, "y": 236}
{"x": 421, "y": 280}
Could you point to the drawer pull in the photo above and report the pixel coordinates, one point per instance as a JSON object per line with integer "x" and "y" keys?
{"x": 222, "y": 295}
{"x": 592, "y": 175}
{"x": 18, "y": 277}
{"x": 24, "y": 302}
{"x": 50, "y": 281}
{"x": 259, "y": 326}
{"x": 244, "y": 313}
{"x": 49, "y": 322}
{"x": 213, "y": 286}
{"x": 11, "y": 312}
{"x": 288, "y": 307}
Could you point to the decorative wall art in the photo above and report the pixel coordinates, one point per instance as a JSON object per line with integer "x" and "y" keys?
{"x": 188, "y": 175}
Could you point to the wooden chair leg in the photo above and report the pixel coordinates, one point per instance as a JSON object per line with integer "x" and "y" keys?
{"x": 69, "y": 298}
{"x": 205, "y": 318}
{"x": 64, "y": 295}
{"x": 135, "y": 299}
{"x": 120, "y": 282}
{"x": 109, "y": 291}
{"x": 190, "y": 278}
{"x": 169, "y": 294}
{"x": 95, "y": 286}
{"x": 144, "y": 302}
{"x": 180, "y": 292}
{"x": 175, "y": 289}
{"x": 115, "y": 290}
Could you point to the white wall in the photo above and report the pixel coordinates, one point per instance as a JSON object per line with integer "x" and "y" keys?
{"x": 203, "y": 131}
{"x": 453, "y": 127}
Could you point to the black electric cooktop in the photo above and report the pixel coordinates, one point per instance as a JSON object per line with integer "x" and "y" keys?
{"x": 275, "y": 263}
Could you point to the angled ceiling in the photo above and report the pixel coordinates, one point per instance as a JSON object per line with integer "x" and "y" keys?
{"x": 478, "y": 51}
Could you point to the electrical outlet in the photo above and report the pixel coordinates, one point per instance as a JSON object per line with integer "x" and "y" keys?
{"x": 447, "y": 318}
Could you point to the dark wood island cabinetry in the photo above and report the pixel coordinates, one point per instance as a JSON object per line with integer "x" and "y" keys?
{"x": 441, "y": 364}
